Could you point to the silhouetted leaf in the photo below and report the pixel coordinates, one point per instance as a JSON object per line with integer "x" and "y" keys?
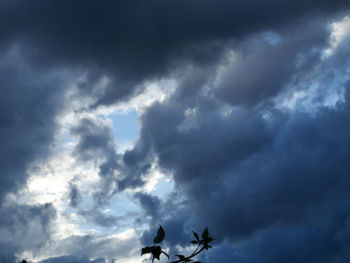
{"x": 207, "y": 247}
{"x": 205, "y": 233}
{"x": 144, "y": 250}
{"x": 196, "y": 235}
{"x": 156, "y": 251}
{"x": 160, "y": 235}
{"x": 182, "y": 257}
{"x": 208, "y": 240}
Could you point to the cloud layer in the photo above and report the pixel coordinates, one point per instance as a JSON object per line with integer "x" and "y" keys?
{"x": 255, "y": 135}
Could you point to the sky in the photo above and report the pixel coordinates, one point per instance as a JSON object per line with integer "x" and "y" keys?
{"x": 120, "y": 116}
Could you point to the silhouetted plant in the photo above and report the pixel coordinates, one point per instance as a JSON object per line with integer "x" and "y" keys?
{"x": 202, "y": 244}
{"x": 156, "y": 251}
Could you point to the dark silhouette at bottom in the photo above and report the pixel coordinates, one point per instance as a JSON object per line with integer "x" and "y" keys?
{"x": 202, "y": 244}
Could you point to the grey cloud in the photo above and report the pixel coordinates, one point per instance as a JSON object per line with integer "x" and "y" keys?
{"x": 284, "y": 191}
{"x": 175, "y": 216}
{"x": 191, "y": 147}
{"x": 150, "y": 203}
{"x": 95, "y": 140}
{"x": 30, "y": 101}
{"x": 297, "y": 164}
{"x": 255, "y": 170}
{"x": 74, "y": 195}
{"x": 72, "y": 259}
{"x": 248, "y": 172}
{"x": 100, "y": 219}
{"x": 264, "y": 166}
{"x": 88, "y": 246}
{"x": 24, "y": 228}
{"x": 305, "y": 166}
{"x": 177, "y": 232}
{"x": 96, "y": 144}
{"x": 325, "y": 241}
{"x": 260, "y": 70}
{"x": 133, "y": 42}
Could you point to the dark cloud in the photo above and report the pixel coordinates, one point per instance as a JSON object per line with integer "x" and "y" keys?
{"x": 261, "y": 67}
{"x": 248, "y": 168}
{"x": 136, "y": 41}
{"x": 95, "y": 140}
{"x": 285, "y": 201}
{"x": 303, "y": 165}
{"x": 30, "y": 101}
{"x": 191, "y": 145}
{"x": 257, "y": 174}
{"x": 24, "y": 228}
{"x": 151, "y": 205}
{"x": 254, "y": 172}
{"x": 177, "y": 232}
{"x": 306, "y": 165}
{"x": 100, "y": 219}
{"x": 74, "y": 195}
{"x": 324, "y": 241}
{"x": 174, "y": 215}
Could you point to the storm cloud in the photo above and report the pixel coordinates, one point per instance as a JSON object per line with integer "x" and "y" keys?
{"x": 259, "y": 173}
{"x": 138, "y": 41}
{"x": 29, "y": 104}
{"x": 254, "y": 135}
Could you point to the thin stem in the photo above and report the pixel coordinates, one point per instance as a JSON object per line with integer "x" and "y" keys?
{"x": 196, "y": 249}
{"x": 154, "y": 244}
{"x": 193, "y": 254}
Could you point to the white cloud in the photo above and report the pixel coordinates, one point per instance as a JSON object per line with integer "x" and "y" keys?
{"x": 49, "y": 182}
{"x": 340, "y": 30}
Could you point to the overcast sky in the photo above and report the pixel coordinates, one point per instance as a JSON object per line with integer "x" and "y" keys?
{"x": 118, "y": 116}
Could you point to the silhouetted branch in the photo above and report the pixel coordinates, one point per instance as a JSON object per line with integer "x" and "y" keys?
{"x": 156, "y": 251}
